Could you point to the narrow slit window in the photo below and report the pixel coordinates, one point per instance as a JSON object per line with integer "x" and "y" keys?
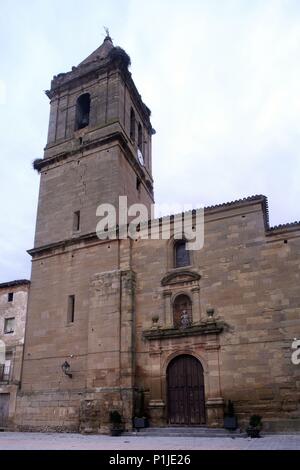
{"x": 10, "y": 296}
{"x": 76, "y": 222}
{"x": 132, "y": 125}
{"x": 71, "y": 309}
{"x": 140, "y": 138}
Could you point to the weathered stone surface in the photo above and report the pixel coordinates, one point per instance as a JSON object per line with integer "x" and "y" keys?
{"x": 245, "y": 277}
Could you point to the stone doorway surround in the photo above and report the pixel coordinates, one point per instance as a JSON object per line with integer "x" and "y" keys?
{"x": 214, "y": 402}
{"x": 200, "y": 339}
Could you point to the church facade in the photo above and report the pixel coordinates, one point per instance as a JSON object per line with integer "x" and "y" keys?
{"x": 111, "y": 320}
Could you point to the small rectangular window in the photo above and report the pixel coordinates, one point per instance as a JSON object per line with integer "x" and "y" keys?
{"x": 9, "y": 325}
{"x": 76, "y": 221}
{"x": 71, "y": 308}
{"x": 10, "y": 296}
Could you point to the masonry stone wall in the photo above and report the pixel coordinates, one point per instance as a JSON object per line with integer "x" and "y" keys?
{"x": 243, "y": 284}
{"x": 251, "y": 281}
{"x": 247, "y": 277}
{"x": 101, "y": 373}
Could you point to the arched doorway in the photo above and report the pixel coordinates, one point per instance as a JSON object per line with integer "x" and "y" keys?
{"x": 185, "y": 387}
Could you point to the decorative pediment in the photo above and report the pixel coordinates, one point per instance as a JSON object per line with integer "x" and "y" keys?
{"x": 180, "y": 277}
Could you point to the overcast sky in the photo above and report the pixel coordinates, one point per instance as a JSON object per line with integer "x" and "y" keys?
{"x": 222, "y": 78}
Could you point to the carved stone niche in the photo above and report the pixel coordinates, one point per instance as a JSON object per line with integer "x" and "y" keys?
{"x": 181, "y": 282}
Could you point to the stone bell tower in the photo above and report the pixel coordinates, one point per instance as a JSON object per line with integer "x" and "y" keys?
{"x": 98, "y": 148}
{"x": 79, "y": 349}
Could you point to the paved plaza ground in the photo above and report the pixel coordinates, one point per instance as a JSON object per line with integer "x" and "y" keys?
{"x": 64, "y": 441}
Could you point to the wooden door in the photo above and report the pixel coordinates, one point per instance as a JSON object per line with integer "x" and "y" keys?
{"x": 4, "y": 409}
{"x": 185, "y": 383}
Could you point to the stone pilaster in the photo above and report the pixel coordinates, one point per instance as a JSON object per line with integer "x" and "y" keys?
{"x": 127, "y": 345}
{"x": 168, "y": 320}
{"x": 196, "y": 305}
{"x": 214, "y": 401}
{"x": 111, "y": 335}
{"x": 156, "y": 403}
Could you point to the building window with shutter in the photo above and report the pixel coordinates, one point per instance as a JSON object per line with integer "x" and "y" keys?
{"x": 9, "y": 325}
{"x": 5, "y": 369}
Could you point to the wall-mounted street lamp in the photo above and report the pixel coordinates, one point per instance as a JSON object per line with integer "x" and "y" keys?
{"x": 66, "y": 368}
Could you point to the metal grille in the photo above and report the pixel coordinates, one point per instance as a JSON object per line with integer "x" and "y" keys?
{"x": 5, "y": 371}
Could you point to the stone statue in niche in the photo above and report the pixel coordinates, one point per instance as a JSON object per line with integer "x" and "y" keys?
{"x": 185, "y": 320}
{"x": 182, "y": 311}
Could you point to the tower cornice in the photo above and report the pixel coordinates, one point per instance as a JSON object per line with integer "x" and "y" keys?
{"x": 114, "y": 137}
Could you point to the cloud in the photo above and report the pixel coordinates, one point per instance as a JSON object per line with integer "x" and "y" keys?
{"x": 225, "y": 98}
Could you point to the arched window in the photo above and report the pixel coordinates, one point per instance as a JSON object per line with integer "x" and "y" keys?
{"x": 132, "y": 125}
{"x": 182, "y": 311}
{"x": 182, "y": 256}
{"x": 83, "y": 105}
{"x": 140, "y": 138}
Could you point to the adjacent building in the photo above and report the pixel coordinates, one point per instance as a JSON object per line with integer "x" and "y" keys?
{"x": 13, "y": 308}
